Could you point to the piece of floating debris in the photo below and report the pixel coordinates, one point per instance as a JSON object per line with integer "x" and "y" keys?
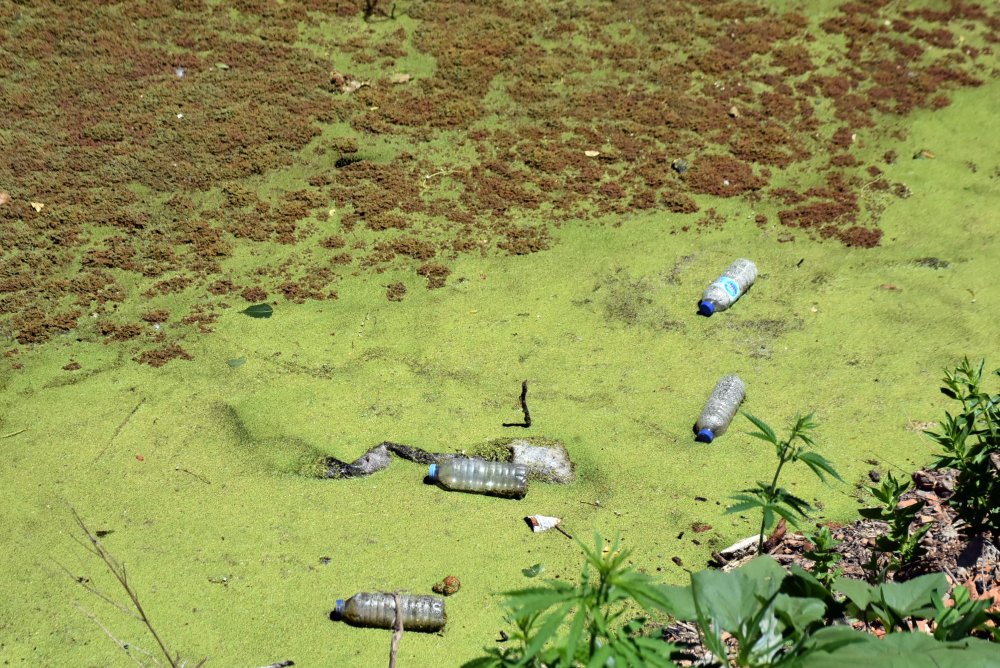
{"x": 539, "y": 523}
{"x": 542, "y": 522}
{"x": 472, "y": 474}
{"x": 450, "y": 585}
{"x": 378, "y": 610}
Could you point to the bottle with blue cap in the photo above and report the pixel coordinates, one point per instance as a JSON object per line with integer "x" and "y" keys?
{"x": 720, "y": 408}
{"x": 378, "y": 610}
{"x": 729, "y": 287}
{"x": 472, "y": 474}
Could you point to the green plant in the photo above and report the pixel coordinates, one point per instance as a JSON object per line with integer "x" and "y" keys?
{"x": 772, "y": 617}
{"x": 823, "y": 555}
{"x": 898, "y": 542}
{"x": 963, "y": 617}
{"x": 791, "y": 620}
{"x": 771, "y": 499}
{"x": 592, "y": 612}
{"x": 971, "y": 444}
{"x": 897, "y": 605}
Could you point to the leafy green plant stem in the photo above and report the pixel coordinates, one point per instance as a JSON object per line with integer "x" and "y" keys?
{"x": 782, "y": 458}
{"x": 771, "y": 499}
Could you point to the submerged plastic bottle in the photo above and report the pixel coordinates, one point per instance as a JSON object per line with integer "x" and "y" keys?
{"x": 471, "y": 474}
{"x": 720, "y": 408}
{"x": 378, "y": 610}
{"x": 729, "y": 287}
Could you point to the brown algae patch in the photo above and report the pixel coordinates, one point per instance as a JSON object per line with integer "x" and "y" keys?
{"x": 195, "y": 163}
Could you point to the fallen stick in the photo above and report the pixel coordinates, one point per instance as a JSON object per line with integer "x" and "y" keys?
{"x": 524, "y": 409}
{"x": 397, "y": 634}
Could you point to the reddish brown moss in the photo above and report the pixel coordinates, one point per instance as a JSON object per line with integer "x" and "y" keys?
{"x": 160, "y": 356}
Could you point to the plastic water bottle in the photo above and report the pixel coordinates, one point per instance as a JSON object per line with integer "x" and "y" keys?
{"x": 378, "y": 610}
{"x": 471, "y": 474}
{"x": 720, "y": 408}
{"x": 729, "y": 287}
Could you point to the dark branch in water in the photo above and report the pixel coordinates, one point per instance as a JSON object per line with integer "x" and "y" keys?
{"x": 524, "y": 408}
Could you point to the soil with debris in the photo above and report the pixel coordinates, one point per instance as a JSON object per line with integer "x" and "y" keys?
{"x": 972, "y": 562}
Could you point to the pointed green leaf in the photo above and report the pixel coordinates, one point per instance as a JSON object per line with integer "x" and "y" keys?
{"x": 767, "y": 434}
{"x": 819, "y": 465}
{"x": 599, "y": 658}
{"x": 913, "y": 596}
{"x": 533, "y": 571}
{"x": 858, "y": 592}
{"x": 575, "y": 635}
{"x": 258, "y": 311}
{"x": 547, "y": 630}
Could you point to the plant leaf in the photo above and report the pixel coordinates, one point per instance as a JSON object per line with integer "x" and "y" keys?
{"x": 767, "y": 434}
{"x": 258, "y": 311}
{"x": 913, "y": 597}
{"x": 819, "y": 465}
{"x": 552, "y": 623}
{"x": 533, "y": 571}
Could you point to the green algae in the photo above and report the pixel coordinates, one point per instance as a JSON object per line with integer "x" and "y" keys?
{"x": 437, "y": 371}
{"x": 205, "y": 473}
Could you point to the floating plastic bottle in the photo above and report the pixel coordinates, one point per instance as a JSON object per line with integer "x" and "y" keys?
{"x": 720, "y": 408}
{"x": 471, "y": 474}
{"x": 378, "y": 610}
{"x": 729, "y": 287}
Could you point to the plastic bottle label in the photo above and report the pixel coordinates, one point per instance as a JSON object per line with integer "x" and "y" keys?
{"x": 731, "y": 287}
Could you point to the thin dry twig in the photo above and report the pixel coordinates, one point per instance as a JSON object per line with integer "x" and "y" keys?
{"x": 117, "y": 431}
{"x": 127, "y": 647}
{"x": 117, "y": 569}
{"x": 397, "y": 634}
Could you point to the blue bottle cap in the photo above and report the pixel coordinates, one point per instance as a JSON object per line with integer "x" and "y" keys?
{"x": 432, "y": 471}
{"x": 705, "y": 436}
{"x": 706, "y": 308}
{"x": 338, "y": 609}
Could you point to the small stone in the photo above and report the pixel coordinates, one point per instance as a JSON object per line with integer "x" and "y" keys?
{"x": 874, "y": 476}
{"x": 680, "y": 165}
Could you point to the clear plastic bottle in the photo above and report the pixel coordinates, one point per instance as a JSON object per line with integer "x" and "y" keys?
{"x": 471, "y": 474}
{"x": 729, "y": 287}
{"x": 720, "y": 408}
{"x": 378, "y": 610}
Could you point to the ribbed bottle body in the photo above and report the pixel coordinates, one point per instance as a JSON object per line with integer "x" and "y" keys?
{"x": 729, "y": 287}
{"x": 471, "y": 474}
{"x": 720, "y": 408}
{"x": 378, "y": 610}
